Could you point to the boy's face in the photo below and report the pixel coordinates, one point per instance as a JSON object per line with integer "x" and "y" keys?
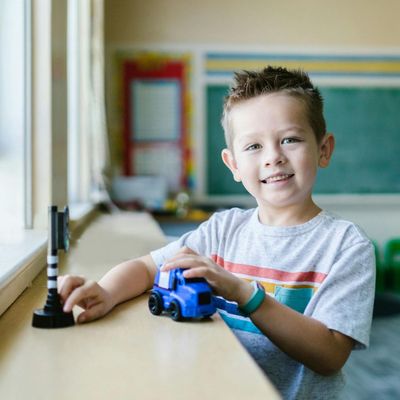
{"x": 275, "y": 153}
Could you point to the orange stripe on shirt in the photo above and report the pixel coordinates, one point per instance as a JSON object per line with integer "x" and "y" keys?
{"x": 269, "y": 273}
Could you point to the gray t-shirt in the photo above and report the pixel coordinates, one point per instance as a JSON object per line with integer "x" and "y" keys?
{"x": 324, "y": 268}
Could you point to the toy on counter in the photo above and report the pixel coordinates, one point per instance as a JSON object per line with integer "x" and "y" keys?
{"x": 181, "y": 297}
{"x": 52, "y": 315}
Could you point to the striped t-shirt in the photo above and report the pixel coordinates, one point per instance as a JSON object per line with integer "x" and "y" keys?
{"x": 324, "y": 268}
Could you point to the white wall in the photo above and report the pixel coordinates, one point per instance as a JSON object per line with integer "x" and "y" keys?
{"x": 254, "y": 22}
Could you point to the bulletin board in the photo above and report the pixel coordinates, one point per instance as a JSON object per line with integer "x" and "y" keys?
{"x": 156, "y": 119}
{"x": 366, "y": 124}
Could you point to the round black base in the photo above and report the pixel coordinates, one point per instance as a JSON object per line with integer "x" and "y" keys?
{"x": 52, "y": 319}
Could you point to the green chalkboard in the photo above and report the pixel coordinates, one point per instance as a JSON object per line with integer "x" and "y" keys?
{"x": 219, "y": 178}
{"x": 366, "y": 124}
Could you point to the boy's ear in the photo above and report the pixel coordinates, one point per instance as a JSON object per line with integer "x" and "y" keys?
{"x": 326, "y": 149}
{"x": 229, "y": 161}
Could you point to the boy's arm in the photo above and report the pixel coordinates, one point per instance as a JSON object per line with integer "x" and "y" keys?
{"x": 129, "y": 279}
{"x": 123, "y": 282}
{"x": 303, "y": 338}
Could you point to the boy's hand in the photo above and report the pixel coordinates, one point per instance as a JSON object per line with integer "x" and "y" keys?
{"x": 221, "y": 281}
{"x": 75, "y": 290}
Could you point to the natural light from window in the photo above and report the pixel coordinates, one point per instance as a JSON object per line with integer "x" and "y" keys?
{"x": 11, "y": 115}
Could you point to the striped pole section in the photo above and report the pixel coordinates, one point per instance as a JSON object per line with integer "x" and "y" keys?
{"x": 52, "y": 251}
{"x": 53, "y": 300}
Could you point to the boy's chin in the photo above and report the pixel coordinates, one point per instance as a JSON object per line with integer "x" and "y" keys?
{"x": 285, "y": 202}
{"x": 277, "y": 202}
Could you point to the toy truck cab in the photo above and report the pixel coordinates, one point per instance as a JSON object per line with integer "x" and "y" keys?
{"x": 182, "y": 297}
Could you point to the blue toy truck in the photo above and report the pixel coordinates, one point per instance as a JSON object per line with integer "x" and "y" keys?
{"x": 181, "y": 297}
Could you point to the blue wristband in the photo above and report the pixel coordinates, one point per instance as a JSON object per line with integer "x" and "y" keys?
{"x": 255, "y": 300}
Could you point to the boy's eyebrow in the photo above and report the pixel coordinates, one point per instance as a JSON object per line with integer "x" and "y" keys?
{"x": 247, "y": 137}
{"x": 291, "y": 128}
{"x": 250, "y": 135}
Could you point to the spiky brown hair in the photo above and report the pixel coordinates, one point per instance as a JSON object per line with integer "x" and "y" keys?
{"x": 296, "y": 83}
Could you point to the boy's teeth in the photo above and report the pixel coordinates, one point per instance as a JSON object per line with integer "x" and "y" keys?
{"x": 277, "y": 178}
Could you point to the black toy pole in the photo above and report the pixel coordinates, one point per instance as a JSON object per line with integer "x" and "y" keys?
{"x": 52, "y": 258}
{"x": 52, "y": 315}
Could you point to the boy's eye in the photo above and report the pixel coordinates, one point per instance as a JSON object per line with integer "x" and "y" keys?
{"x": 253, "y": 147}
{"x": 290, "y": 140}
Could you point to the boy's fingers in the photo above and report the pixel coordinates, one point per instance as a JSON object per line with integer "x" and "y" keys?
{"x": 79, "y": 295}
{"x": 199, "y": 272}
{"x": 173, "y": 259}
{"x": 186, "y": 250}
{"x": 91, "y": 314}
{"x": 67, "y": 284}
{"x": 179, "y": 262}
{"x": 183, "y": 251}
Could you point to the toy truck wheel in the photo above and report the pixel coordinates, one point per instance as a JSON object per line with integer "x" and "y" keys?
{"x": 175, "y": 310}
{"x": 155, "y": 303}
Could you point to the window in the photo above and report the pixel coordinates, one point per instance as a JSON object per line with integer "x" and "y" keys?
{"x": 33, "y": 151}
{"x": 12, "y": 115}
{"x": 19, "y": 246}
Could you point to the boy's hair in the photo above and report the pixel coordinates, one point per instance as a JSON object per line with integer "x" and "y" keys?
{"x": 296, "y": 83}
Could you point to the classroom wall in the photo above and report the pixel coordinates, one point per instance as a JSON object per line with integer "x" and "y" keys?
{"x": 262, "y": 22}
{"x": 305, "y": 25}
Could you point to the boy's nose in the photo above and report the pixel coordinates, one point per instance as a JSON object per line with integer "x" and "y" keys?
{"x": 273, "y": 157}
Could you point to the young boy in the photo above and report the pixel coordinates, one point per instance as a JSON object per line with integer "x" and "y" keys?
{"x": 317, "y": 269}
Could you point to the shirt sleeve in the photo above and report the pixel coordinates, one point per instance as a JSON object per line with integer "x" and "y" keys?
{"x": 199, "y": 240}
{"x": 344, "y": 301}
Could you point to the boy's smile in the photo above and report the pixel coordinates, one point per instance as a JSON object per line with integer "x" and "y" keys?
{"x": 276, "y": 156}
{"x": 279, "y": 177}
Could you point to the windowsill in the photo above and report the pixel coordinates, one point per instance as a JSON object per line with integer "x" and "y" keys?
{"x": 79, "y": 211}
{"x": 21, "y": 259}
{"x": 23, "y": 255}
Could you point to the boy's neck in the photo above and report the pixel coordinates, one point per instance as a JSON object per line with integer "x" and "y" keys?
{"x": 288, "y": 216}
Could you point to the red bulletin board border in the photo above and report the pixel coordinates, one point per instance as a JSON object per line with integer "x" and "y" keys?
{"x": 164, "y": 69}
